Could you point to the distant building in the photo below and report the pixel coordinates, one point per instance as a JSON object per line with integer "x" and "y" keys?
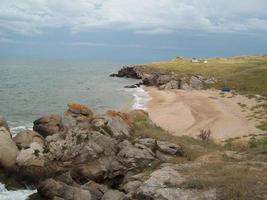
{"x": 205, "y": 61}
{"x": 195, "y": 60}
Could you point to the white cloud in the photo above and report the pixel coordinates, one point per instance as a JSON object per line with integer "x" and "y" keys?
{"x": 147, "y": 16}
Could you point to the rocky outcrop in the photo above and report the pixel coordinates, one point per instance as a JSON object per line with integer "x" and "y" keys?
{"x": 167, "y": 80}
{"x": 84, "y": 156}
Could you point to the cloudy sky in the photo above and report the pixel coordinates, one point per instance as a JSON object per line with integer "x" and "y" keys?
{"x": 131, "y": 30}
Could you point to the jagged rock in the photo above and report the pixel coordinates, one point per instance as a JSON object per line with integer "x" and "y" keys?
{"x": 118, "y": 128}
{"x": 169, "y": 148}
{"x": 51, "y": 189}
{"x": 24, "y": 138}
{"x": 128, "y": 72}
{"x": 133, "y": 156}
{"x": 162, "y": 79}
{"x": 48, "y": 125}
{"x": 113, "y": 195}
{"x": 3, "y": 123}
{"x": 131, "y": 86}
{"x": 148, "y": 142}
{"x": 33, "y": 156}
{"x": 8, "y": 149}
{"x": 173, "y": 84}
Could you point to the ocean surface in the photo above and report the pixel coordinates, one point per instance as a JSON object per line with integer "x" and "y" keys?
{"x": 30, "y": 89}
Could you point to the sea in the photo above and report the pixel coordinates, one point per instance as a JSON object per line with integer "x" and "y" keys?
{"x": 30, "y": 89}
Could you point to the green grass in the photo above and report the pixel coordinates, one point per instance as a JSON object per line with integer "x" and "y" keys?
{"x": 245, "y": 74}
{"x": 262, "y": 126}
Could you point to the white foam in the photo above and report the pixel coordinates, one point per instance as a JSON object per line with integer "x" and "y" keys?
{"x": 14, "y": 195}
{"x": 141, "y": 98}
{"x": 15, "y": 129}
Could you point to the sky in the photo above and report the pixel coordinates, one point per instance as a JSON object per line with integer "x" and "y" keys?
{"x": 131, "y": 30}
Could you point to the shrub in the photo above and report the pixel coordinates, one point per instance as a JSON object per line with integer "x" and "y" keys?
{"x": 205, "y": 135}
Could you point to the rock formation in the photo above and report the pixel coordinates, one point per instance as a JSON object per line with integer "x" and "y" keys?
{"x": 81, "y": 155}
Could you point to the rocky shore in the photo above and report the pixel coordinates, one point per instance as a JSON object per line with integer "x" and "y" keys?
{"x": 164, "y": 80}
{"x": 84, "y": 156}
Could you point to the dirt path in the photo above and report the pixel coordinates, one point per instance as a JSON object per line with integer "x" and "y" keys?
{"x": 187, "y": 112}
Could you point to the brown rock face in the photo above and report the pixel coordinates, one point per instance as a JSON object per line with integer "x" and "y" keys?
{"x": 48, "y": 125}
{"x": 80, "y": 109}
{"x": 51, "y": 189}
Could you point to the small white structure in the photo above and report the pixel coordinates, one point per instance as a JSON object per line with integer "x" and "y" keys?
{"x": 205, "y": 61}
{"x": 195, "y": 60}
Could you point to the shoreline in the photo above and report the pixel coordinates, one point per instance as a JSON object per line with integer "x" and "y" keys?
{"x": 187, "y": 112}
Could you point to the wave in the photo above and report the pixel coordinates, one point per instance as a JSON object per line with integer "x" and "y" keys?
{"x": 141, "y": 98}
{"x": 16, "y": 127}
{"x": 14, "y": 195}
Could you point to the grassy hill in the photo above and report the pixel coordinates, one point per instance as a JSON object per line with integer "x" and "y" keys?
{"x": 246, "y": 74}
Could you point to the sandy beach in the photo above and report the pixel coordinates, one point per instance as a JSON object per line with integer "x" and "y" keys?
{"x": 184, "y": 112}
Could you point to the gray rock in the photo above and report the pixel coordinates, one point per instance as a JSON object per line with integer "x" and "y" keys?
{"x": 196, "y": 83}
{"x": 113, "y": 195}
{"x": 169, "y": 148}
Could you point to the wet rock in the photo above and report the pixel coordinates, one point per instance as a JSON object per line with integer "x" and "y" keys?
{"x": 8, "y": 149}
{"x": 128, "y": 72}
{"x": 48, "y": 125}
{"x": 51, "y": 189}
{"x": 24, "y": 138}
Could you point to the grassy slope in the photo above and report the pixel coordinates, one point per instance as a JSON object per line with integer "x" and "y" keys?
{"x": 245, "y": 74}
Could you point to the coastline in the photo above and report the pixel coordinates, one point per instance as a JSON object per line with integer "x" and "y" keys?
{"x": 187, "y": 112}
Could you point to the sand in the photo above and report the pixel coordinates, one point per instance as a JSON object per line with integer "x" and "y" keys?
{"x": 184, "y": 112}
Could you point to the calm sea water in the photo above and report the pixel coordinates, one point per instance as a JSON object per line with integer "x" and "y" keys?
{"x": 31, "y": 89}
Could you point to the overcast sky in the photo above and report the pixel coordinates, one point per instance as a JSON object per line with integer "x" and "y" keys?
{"x": 131, "y": 30}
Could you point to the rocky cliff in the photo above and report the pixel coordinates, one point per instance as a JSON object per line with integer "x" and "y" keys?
{"x": 164, "y": 80}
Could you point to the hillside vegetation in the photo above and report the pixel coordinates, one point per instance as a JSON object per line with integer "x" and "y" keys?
{"x": 245, "y": 74}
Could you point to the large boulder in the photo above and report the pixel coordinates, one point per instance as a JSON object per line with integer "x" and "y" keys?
{"x": 51, "y": 189}
{"x": 131, "y": 157}
{"x": 48, "y": 125}
{"x": 24, "y": 138}
{"x": 8, "y": 149}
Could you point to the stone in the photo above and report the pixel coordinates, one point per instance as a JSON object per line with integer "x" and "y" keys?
{"x": 33, "y": 156}
{"x": 196, "y": 83}
{"x": 148, "y": 142}
{"x": 80, "y": 109}
{"x": 118, "y": 128}
{"x": 24, "y": 138}
{"x": 51, "y": 189}
{"x": 48, "y": 125}
{"x": 134, "y": 156}
{"x": 169, "y": 148}
{"x": 8, "y": 149}
{"x": 113, "y": 195}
